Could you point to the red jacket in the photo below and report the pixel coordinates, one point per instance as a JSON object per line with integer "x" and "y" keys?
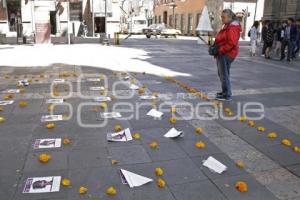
{"x": 228, "y": 39}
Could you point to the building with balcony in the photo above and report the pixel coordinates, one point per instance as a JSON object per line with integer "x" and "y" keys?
{"x": 277, "y": 10}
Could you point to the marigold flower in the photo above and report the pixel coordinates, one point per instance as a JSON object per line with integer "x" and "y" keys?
{"x": 200, "y": 144}
{"x": 44, "y": 158}
{"x": 118, "y": 128}
{"x": 172, "y": 120}
{"x": 159, "y": 171}
{"x": 50, "y": 125}
{"x": 161, "y": 183}
{"x": 82, "y": 190}
{"x": 199, "y": 130}
{"x": 241, "y": 186}
{"x": 136, "y": 136}
{"x": 111, "y": 191}
{"x": 272, "y": 135}
{"x": 153, "y": 145}
{"x": 286, "y": 142}
{"x": 66, "y": 182}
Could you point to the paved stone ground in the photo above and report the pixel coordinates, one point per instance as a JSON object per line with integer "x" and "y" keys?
{"x": 271, "y": 170}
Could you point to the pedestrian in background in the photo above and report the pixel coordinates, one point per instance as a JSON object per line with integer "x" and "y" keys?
{"x": 253, "y": 37}
{"x": 290, "y": 38}
{"x": 279, "y": 38}
{"x": 268, "y": 40}
{"x": 263, "y": 35}
{"x": 298, "y": 38}
{"x": 227, "y": 41}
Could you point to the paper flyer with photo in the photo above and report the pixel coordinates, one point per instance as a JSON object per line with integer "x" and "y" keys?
{"x": 122, "y": 136}
{"x": 97, "y": 88}
{"x": 4, "y": 103}
{"x": 57, "y": 101}
{"x": 42, "y": 184}
{"x": 23, "y": 82}
{"x": 51, "y": 118}
{"x": 47, "y": 143}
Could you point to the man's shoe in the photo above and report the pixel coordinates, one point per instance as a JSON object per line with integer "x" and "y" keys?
{"x": 223, "y": 98}
{"x": 219, "y": 94}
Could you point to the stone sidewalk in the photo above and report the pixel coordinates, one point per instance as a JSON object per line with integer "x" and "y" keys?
{"x": 271, "y": 169}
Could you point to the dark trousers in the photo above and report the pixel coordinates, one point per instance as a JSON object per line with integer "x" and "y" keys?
{"x": 264, "y": 48}
{"x": 224, "y": 64}
{"x": 290, "y": 45}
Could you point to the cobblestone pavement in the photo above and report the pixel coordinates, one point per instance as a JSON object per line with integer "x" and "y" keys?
{"x": 271, "y": 169}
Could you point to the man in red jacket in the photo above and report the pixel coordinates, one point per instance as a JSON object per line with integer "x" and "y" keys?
{"x": 227, "y": 41}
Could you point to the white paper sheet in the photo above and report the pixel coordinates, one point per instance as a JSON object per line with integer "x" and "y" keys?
{"x": 109, "y": 115}
{"x": 97, "y": 88}
{"x": 173, "y": 133}
{"x": 4, "y": 103}
{"x": 102, "y": 99}
{"x": 58, "y": 80}
{"x": 42, "y": 184}
{"x": 56, "y": 101}
{"x": 134, "y": 87}
{"x": 93, "y": 79}
{"x": 51, "y": 118}
{"x": 47, "y": 143}
{"x": 147, "y": 97}
{"x": 214, "y": 165}
{"x": 155, "y": 113}
{"x": 11, "y": 91}
{"x": 132, "y": 179}
{"x": 122, "y": 136}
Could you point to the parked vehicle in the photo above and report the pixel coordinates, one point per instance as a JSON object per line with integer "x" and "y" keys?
{"x": 160, "y": 29}
{"x": 137, "y": 24}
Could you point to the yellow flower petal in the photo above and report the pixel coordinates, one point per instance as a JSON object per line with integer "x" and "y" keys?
{"x": 286, "y": 142}
{"x": 103, "y": 105}
{"x": 241, "y": 186}
{"x": 23, "y": 104}
{"x": 118, "y": 128}
{"x": 261, "y": 129}
{"x": 66, "y": 141}
{"x": 161, "y": 183}
{"x": 159, "y": 171}
{"x": 44, "y": 158}
{"x": 50, "y": 125}
{"x": 199, "y": 130}
{"x": 240, "y": 164}
{"x": 296, "y": 149}
{"x": 66, "y": 182}
{"x": 173, "y": 109}
{"x": 200, "y": 144}
{"x": 243, "y": 118}
{"x": 114, "y": 162}
{"x": 172, "y": 120}
{"x": 153, "y": 145}
{"x": 2, "y": 120}
{"x": 136, "y": 136}
{"x": 82, "y": 190}
{"x": 111, "y": 191}
{"x": 272, "y": 135}
{"x": 1, "y": 108}
{"x": 251, "y": 123}
{"x": 141, "y": 90}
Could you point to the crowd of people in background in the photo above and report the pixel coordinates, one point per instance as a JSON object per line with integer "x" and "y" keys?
{"x": 282, "y": 40}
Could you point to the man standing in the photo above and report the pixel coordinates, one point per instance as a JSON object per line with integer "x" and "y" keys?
{"x": 298, "y": 38}
{"x": 290, "y": 38}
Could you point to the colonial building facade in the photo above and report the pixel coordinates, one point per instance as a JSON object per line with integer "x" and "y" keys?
{"x": 277, "y": 10}
{"x": 185, "y": 14}
{"x": 58, "y": 18}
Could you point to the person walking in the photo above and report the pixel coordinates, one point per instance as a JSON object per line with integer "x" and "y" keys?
{"x": 290, "y": 38}
{"x": 253, "y": 37}
{"x": 227, "y": 43}
{"x": 263, "y": 36}
{"x": 279, "y": 38}
{"x": 269, "y": 38}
